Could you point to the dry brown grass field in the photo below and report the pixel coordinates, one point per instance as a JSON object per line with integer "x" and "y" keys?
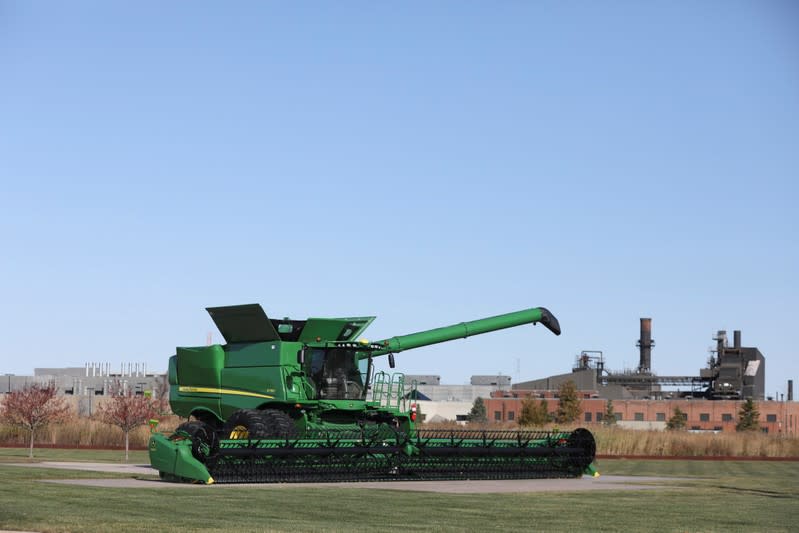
{"x": 81, "y": 432}
{"x": 617, "y": 441}
{"x": 611, "y": 441}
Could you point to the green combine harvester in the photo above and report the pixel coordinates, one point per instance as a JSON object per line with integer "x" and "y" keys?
{"x": 300, "y": 400}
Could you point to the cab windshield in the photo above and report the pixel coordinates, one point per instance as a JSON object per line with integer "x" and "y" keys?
{"x": 336, "y": 375}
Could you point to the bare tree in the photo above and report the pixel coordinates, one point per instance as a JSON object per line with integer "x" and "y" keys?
{"x": 127, "y": 411}
{"x": 34, "y": 407}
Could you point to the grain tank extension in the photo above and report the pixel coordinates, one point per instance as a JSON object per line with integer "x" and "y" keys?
{"x": 300, "y": 400}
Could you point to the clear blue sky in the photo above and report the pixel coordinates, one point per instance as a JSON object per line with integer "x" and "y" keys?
{"x": 423, "y": 163}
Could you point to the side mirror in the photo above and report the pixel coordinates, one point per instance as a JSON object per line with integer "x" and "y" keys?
{"x": 301, "y": 356}
{"x": 391, "y": 360}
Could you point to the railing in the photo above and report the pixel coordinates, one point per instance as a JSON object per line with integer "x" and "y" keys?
{"x": 389, "y": 390}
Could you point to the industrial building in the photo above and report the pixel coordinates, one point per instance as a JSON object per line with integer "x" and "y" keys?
{"x": 776, "y": 417}
{"x": 91, "y": 383}
{"x": 642, "y": 399}
{"x": 732, "y": 373}
{"x": 429, "y": 388}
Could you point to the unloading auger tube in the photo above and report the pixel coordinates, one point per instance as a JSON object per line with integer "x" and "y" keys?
{"x": 468, "y": 329}
{"x": 269, "y": 407}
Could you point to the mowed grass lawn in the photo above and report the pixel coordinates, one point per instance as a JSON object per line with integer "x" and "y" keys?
{"x": 718, "y": 496}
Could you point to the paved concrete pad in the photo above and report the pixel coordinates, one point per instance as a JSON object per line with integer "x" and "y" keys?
{"x": 453, "y": 487}
{"x": 119, "y": 468}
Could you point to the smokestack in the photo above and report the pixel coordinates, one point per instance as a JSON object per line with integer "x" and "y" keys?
{"x": 721, "y": 341}
{"x": 736, "y": 339}
{"x": 645, "y": 344}
{"x": 790, "y": 390}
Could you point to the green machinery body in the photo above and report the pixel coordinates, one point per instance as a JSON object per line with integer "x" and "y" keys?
{"x": 299, "y": 400}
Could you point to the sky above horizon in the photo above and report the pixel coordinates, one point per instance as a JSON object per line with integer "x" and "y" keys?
{"x": 427, "y": 164}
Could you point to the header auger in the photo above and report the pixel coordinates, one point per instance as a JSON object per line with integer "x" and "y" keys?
{"x": 299, "y": 400}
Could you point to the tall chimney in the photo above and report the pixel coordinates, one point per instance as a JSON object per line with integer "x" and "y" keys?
{"x": 721, "y": 342}
{"x": 790, "y": 390}
{"x": 645, "y": 344}
{"x": 736, "y": 339}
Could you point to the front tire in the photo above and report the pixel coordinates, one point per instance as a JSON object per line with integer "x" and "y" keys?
{"x": 203, "y": 438}
{"x": 279, "y": 424}
{"x": 259, "y": 424}
{"x": 246, "y": 424}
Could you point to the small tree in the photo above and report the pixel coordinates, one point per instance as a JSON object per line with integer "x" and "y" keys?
{"x": 678, "y": 420}
{"x": 478, "y": 412}
{"x": 127, "y": 411}
{"x": 609, "y": 417}
{"x": 33, "y": 408}
{"x": 748, "y": 417}
{"x": 569, "y": 408}
{"x": 534, "y": 413}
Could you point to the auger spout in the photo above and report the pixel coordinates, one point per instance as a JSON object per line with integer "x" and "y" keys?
{"x": 468, "y": 329}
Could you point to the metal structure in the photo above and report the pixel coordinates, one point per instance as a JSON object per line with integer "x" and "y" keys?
{"x": 732, "y": 372}
{"x": 735, "y": 372}
{"x": 645, "y": 345}
{"x": 291, "y": 400}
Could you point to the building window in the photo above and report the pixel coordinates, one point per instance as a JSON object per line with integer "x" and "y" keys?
{"x": 726, "y": 417}
{"x": 639, "y": 417}
{"x": 718, "y": 428}
{"x": 771, "y": 418}
{"x": 497, "y": 415}
{"x": 764, "y": 430}
{"x": 695, "y": 428}
{"x": 599, "y": 416}
{"x": 587, "y": 416}
{"x": 618, "y": 416}
{"x": 511, "y": 415}
{"x": 660, "y": 417}
{"x": 704, "y": 417}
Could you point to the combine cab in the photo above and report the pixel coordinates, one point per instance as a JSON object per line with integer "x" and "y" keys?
{"x": 291, "y": 400}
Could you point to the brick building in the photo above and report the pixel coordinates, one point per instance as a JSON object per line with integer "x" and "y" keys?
{"x": 703, "y": 415}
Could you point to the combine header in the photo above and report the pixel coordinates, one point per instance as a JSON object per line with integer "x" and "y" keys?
{"x": 299, "y": 400}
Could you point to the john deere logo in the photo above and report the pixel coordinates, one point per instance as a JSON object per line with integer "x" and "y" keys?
{"x": 153, "y": 446}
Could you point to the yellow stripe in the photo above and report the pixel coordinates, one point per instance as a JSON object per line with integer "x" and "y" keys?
{"x": 210, "y": 390}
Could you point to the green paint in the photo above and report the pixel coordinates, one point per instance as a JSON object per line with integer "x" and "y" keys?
{"x": 315, "y": 373}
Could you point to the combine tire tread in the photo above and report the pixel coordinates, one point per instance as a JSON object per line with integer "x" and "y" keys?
{"x": 279, "y": 424}
{"x": 252, "y": 419}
